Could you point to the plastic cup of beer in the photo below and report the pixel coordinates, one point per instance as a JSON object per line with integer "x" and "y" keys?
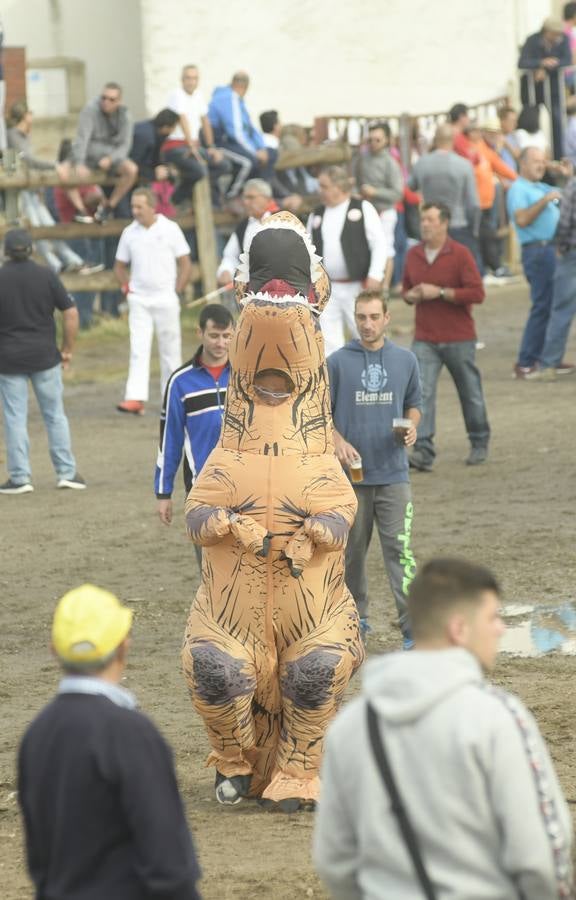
{"x": 356, "y": 473}
{"x": 400, "y": 427}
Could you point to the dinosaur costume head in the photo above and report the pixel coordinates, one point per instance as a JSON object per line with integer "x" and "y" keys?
{"x": 282, "y": 261}
{"x": 281, "y": 287}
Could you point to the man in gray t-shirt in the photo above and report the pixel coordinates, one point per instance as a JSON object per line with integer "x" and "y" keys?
{"x": 444, "y": 176}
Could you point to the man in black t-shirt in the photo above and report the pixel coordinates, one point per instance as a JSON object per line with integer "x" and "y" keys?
{"x": 29, "y": 294}
{"x": 102, "y": 811}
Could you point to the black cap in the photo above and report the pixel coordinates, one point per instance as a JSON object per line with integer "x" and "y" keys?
{"x": 17, "y": 241}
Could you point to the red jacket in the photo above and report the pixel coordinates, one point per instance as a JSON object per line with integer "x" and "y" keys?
{"x": 443, "y": 321}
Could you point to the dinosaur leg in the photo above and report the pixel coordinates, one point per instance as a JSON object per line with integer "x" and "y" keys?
{"x": 220, "y": 673}
{"x": 314, "y": 673}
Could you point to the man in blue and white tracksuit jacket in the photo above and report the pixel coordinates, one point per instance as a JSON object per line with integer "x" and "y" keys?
{"x": 193, "y": 408}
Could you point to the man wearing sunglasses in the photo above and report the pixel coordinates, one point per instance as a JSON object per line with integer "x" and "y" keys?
{"x": 103, "y": 143}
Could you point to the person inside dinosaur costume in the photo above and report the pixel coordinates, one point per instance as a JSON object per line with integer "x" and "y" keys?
{"x": 272, "y": 638}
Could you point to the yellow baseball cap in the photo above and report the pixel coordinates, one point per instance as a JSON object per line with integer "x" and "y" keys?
{"x": 89, "y": 623}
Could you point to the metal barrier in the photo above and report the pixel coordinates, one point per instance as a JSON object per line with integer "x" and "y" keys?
{"x": 353, "y": 129}
{"x": 557, "y": 110}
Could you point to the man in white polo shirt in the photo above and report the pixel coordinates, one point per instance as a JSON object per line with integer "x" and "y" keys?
{"x": 153, "y": 267}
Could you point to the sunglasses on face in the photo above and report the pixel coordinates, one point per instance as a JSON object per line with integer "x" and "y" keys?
{"x": 109, "y": 99}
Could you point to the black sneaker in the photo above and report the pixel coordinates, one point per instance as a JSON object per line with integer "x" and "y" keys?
{"x": 478, "y": 455}
{"x": 103, "y": 214}
{"x": 419, "y": 462}
{"x": 76, "y": 483}
{"x": 10, "y": 487}
{"x": 230, "y": 791}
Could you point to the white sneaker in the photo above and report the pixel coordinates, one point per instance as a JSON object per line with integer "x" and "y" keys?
{"x": 493, "y": 281}
{"x": 226, "y": 793}
{"x": 76, "y": 483}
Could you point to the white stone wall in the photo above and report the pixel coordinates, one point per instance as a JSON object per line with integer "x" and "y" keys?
{"x": 105, "y": 34}
{"x": 320, "y": 57}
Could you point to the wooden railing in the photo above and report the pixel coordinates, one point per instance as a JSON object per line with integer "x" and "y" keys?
{"x": 353, "y": 129}
{"x": 203, "y": 219}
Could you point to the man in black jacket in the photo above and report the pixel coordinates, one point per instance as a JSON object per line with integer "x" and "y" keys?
{"x": 147, "y": 140}
{"x": 102, "y": 811}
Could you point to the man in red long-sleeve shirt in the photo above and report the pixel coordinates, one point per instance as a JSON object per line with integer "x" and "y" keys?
{"x": 442, "y": 280}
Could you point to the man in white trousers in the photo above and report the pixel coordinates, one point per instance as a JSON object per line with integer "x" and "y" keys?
{"x": 153, "y": 267}
{"x": 347, "y": 234}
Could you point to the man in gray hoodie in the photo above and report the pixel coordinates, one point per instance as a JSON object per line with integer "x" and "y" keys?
{"x": 103, "y": 143}
{"x": 373, "y": 382}
{"x": 468, "y": 760}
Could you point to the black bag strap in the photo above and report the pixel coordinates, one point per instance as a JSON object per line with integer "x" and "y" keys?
{"x": 398, "y": 807}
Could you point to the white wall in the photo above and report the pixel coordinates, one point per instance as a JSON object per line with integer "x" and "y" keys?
{"x": 321, "y": 57}
{"x": 105, "y": 34}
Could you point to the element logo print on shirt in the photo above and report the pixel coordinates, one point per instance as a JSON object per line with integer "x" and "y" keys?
{"x": 374, "y": 378}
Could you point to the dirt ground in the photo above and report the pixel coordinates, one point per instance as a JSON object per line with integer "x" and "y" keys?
{"x": 516, "y": 514}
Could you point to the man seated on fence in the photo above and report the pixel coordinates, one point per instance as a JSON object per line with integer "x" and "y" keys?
{"x": 103, "y": 142}
{"x": 58, "y": 254}
{"x": 147, "y": 153}
{"x": 259, "y": 204}
{"x": 233, "y": 127}
{"x": 190, "y": 145}
{"x": 147, "y": 140}
{"x": 379, "y": 179}
{"x": 485, "y": 810}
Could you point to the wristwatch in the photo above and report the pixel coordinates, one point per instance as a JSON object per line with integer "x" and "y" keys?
{"x": 442, "y": 294}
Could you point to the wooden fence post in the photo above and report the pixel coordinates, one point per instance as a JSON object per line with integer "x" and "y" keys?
{"x": 405, "y": 140}
{"x": 205, "y": 234}
{"x": 11, "y": 166}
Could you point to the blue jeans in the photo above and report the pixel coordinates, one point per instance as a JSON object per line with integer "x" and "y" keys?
{"x": 459, "y": 357}
{"x": 562, "y": 312}
{"x": 189, "y": 168}
{"x": 14, "y": 395}
{"x": 539, "y": 264}
{"x": 400, "y": 248}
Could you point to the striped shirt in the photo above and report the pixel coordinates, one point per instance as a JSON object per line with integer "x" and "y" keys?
{"x": 190, "y": 421}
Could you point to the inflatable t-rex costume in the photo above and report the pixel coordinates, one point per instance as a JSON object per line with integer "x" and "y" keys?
{"x": 272, "y": 638}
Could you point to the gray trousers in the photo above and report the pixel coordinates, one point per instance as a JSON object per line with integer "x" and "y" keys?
{"x": 391, "y": 506}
